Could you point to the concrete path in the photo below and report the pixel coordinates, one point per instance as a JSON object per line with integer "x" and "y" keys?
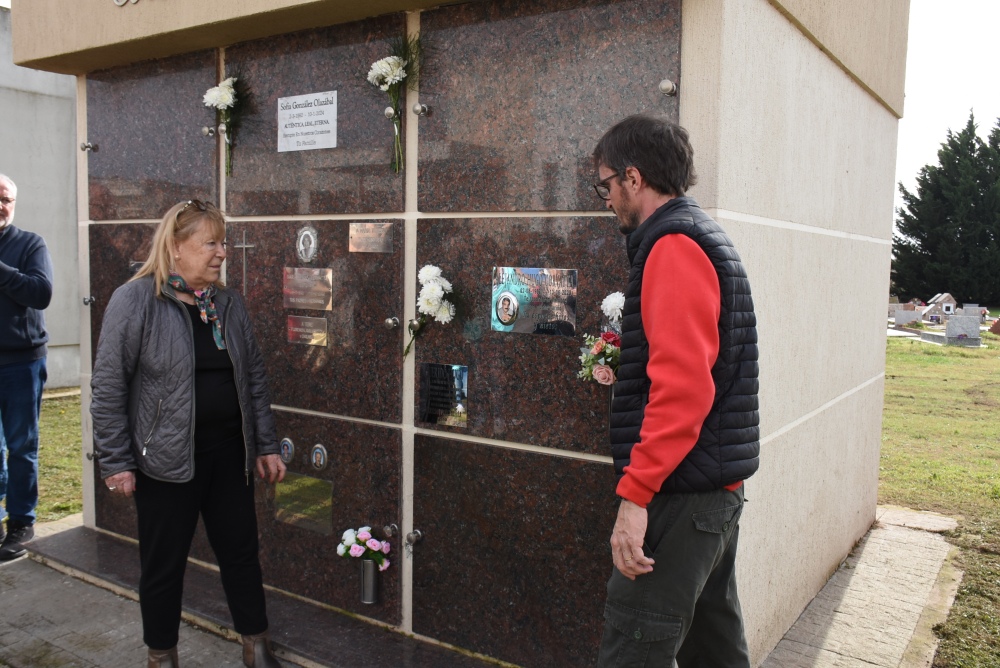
{"x": 876, "y": 611}
{"x": 879, "y": 608}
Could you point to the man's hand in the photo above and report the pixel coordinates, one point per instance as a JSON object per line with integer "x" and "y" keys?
{"x": 271, "y": 468}
{"x": 627, "y": 538}
{"x": 121, "y": 483}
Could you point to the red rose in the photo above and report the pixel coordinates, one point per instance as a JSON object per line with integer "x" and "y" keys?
{"x": 612, "y": 338}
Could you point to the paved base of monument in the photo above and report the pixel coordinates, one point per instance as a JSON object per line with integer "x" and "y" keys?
{"x": 73, "y": 603}
{"x": 44, "y": 618}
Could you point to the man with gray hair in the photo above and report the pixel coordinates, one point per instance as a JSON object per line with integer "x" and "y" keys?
{"x": 25, "y": 291}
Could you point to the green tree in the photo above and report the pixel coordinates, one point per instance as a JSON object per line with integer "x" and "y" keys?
{"x": 948, "y": 230}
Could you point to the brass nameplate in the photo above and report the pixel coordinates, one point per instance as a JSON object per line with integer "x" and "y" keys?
{"x": 310, "y": 289}
{"x": 370, "y": 238}
{"x": 309, "y": 331}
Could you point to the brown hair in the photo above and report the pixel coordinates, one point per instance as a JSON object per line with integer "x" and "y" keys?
{"x": 659, "y": 149}
{"x": 178, "y": 224}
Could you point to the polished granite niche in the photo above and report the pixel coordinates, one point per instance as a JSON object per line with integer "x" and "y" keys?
{"x": 356, "y": 176}
{"x": 518, "y": 542}
{"x": 523, "y": 387}
{"x": 364, "y": 467}
{"x": 521, "y": 92}
{"x": 359, "y": 372}
{"x": 115, "y": 250}
{"x": 146, "y": 120}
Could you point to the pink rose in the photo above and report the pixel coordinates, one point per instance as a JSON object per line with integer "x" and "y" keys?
{"x": 598, "y": 347}
{"x": 357, "y": 550}
{"x": 611, "y": 339}
{"x": 603, "y": 374}
{"x": 384, "y": 565}
{"x": 385, "y": 547}
{"x": 363, "y": 536}
{"x": 373, "y": 545}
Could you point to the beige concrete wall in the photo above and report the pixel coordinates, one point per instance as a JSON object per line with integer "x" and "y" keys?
{"x": 867, "y": 37}
{"x": 796, "y": 160}
{"x": 86, "y": 35}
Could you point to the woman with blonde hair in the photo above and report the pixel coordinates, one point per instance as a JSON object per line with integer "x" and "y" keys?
{"x": 182, "y": 416}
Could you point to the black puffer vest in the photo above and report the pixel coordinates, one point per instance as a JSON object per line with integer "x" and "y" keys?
{"x": 728, "y": 446}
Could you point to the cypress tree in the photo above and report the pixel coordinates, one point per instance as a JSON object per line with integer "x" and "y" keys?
{"x": 947, "y": 231}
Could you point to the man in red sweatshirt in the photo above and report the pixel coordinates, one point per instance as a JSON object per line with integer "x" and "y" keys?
{"x": 684, "y": 421}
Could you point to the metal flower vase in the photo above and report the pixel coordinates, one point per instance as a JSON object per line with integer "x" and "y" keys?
{"x": 369, "y": 581}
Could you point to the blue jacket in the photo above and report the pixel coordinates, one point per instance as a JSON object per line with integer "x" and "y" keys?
{"x": 25, "y": 291}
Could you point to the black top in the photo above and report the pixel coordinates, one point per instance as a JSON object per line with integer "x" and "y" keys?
{"x": 218, "y": 422}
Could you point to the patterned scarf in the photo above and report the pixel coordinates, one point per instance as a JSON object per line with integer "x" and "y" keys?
{"x": 203, "y": 300}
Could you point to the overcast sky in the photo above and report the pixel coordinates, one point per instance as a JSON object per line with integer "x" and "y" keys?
{"x": 951, "y": 62}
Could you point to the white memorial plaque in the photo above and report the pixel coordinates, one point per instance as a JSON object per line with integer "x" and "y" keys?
{"x": 307, "y": 122}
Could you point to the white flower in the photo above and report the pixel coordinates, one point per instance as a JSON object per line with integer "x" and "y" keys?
{"x": 387, "y": 71}
{"x": 341, "y": 550}
{"x": 428, "y": 273}
{"x": 445, "y": 313}
{"x": 350, "y": 537}
{"x": 222, "y": 96}
{"x": 613, "y": 305}
{"x": 432, "y": 291}
{"x": 368, "y": 529}
{"x": 428, "y": 306}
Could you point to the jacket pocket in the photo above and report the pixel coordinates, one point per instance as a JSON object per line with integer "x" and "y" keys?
{"x": 152, "y": 427}
{"x": 717, "y": 521}
{"x": 639, "y": 637}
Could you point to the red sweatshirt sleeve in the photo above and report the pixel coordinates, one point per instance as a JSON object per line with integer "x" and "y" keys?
{"x": 680, "y": 315}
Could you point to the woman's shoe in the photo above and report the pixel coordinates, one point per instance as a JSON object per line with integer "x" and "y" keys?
{"x": 162, "y": 658}
{"x": 257, "y": 652}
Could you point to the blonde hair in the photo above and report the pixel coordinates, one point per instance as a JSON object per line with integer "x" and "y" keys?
{"x": 179, "y": 224}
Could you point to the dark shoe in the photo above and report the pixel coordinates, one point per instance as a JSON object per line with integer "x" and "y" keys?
{"x": 12, "y": 546}
{"x": 257, "y": 652}
{"x": 162, "y": 658}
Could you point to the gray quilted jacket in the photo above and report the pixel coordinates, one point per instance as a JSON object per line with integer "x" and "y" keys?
{"x": 143, "y": 384}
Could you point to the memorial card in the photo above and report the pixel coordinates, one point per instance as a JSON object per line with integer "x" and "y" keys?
{"x": 444, "y": 391}
{"x": 534, "y": 301}
{"x": 307, "y": 122}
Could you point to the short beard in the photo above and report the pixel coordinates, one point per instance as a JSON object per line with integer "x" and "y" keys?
{"x": 628, "y": 217}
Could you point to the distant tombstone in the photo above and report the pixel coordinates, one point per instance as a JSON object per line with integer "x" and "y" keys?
{"x": 905, "y": 317}
{"x": 970, "y": 309}
{"x": 995, "y": 327}
{"x": 963, "y": 330}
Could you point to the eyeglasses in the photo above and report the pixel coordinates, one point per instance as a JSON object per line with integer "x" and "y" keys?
{"x": 196, "y": 203}
{"x": 602, "y": 189}
{"x": 7, "y": 201}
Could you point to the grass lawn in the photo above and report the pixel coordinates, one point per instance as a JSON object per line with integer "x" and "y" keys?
{"x": 60, "y": 478}
{"x": 940, "y": 452}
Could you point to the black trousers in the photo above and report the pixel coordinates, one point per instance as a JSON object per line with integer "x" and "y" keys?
{"x": 168, "y": 514}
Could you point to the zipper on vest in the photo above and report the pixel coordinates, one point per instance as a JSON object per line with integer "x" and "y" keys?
{"x": 156, "y": 419}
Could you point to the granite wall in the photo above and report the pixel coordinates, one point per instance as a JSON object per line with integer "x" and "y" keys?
{"x": 514, "y": 507}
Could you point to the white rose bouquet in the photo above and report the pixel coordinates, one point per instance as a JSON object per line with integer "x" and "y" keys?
{"x": 389, "y": 75}
{"x": 431, "y": 302}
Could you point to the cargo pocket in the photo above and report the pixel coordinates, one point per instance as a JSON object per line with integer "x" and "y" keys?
{"x": 638, "y": 638}
{"x": 717, "y": 521}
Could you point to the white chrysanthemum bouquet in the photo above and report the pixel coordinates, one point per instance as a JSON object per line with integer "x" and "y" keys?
{"x": 431, "y": 302}
{"x": 389, "y": 75}
{"x": 227, "y": 101}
